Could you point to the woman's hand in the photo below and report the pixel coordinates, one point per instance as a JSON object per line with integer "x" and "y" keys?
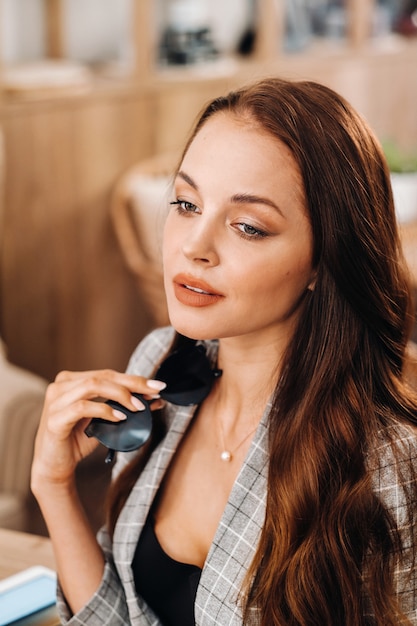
{"x": 71, "y": 401}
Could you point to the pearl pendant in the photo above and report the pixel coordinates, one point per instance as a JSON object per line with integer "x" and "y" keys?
{"x": 226, "y": 456}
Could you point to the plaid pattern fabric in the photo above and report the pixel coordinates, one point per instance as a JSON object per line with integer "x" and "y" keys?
{"x": 217, "y": 602}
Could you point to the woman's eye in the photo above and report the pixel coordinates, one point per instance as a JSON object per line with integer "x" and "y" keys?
{"x": 250, "y": 232}
{"x": 183, "y": 206}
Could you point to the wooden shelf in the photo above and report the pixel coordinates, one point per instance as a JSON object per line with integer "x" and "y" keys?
{"x": 269, "y": 27}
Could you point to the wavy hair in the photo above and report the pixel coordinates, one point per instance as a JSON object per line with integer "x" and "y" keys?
{"x": 329, "y": 547}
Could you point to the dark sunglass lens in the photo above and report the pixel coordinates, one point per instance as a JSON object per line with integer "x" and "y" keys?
{"x": 124, "y": 436}
{"x": 188, "y": 376}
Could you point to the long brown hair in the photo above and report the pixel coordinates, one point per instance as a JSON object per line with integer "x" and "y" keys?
{"x": 329, "y": 546}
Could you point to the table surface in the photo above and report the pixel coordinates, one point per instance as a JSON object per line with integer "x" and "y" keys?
{"x": 18, "y": 551}
{"x": 21, "y": 550}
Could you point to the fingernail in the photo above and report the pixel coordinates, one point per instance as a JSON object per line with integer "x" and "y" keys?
{"x": 158, "y": 385}
{"x": 119, "y": 414}
{"x": 138, "y": 404}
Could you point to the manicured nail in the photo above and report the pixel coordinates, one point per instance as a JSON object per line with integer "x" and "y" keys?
{"x": 119, "y": 414}
{"x": 158, "y": 385}
{"x": 138, "y": 404}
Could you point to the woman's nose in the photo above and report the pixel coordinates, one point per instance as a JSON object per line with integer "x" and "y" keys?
{"x": 201, "y": 243}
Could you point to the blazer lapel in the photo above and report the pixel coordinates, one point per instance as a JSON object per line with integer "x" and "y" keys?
{"x": 236, "y": 538}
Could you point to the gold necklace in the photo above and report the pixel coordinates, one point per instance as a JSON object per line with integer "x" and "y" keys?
{"x": 227, "y": 455}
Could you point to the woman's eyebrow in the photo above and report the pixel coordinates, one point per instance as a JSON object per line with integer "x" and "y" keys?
{"x": 248, "y": 198}
{"x": 187, "y": 179}
{"x": 238, "y": 198}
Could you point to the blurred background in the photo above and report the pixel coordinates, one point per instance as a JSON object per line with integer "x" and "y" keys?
{"x": 97, "y": 98}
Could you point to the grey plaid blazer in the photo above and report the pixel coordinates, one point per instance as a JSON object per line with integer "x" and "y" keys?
{"x": 116, "y": 603}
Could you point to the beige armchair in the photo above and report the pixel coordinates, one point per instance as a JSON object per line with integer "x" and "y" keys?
{"x": 21, "y": 400}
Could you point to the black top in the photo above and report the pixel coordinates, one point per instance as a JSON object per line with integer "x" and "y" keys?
{"x": 167, "y": 586}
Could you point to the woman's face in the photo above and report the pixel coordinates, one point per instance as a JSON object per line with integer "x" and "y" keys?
{"x": 237, "y": 242}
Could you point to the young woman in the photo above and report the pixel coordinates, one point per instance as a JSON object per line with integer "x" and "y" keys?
{"x": 286, "y": 496}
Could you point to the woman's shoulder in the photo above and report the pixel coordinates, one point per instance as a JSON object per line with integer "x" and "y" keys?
{"x": 394, "y": 447}
{"x": 398, "y": 436}
{"x": 393, "y": 460}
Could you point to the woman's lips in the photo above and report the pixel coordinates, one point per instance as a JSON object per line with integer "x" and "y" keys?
{"x": 192, "y": 292}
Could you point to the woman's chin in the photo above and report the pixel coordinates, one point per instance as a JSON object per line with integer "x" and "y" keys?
{"x": 194, "y": 329}
{"x": 192, "y": 332}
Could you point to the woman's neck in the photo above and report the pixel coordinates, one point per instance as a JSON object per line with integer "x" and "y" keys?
{"x": 250, "y": 374}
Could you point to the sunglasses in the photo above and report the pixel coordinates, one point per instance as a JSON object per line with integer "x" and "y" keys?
{"x": 189, "y": 378}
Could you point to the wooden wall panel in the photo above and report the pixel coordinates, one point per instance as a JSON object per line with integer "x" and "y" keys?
{"x": 67, "y": 299}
